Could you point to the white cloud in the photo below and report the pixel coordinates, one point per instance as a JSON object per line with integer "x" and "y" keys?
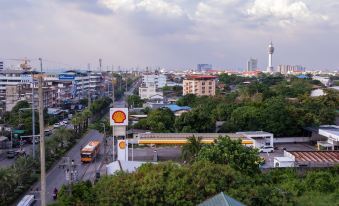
{"x": 284, "y": 11}
{"x": 158, "y": 7}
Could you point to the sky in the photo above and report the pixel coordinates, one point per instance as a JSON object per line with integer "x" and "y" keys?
{"x": 170, "y": 34}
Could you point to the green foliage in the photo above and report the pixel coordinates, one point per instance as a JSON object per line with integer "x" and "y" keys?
{"x": 16, "y": 179}
{"x": 232, "y": 153}
{"x": 159, "y": 120}
{"x": 190, "y": 151}
{"x": 197, "y": 120}
{"x": 134, "y": 101}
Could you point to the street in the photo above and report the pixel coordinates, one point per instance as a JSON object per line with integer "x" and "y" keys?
{"x": 56, "y": 176}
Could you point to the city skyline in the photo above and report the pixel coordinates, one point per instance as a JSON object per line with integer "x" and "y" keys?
{"x": 171, "y": 34}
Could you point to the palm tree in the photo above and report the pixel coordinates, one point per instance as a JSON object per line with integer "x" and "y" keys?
{"x": 191, "y": 149}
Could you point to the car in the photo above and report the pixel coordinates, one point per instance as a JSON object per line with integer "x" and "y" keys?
{"x": 266, "y": 149}
{"x": 56, "y": 125}
{"x": 48, "y": 132}
{"x": 65, "y": 122}
{"x": 11, "y": 154}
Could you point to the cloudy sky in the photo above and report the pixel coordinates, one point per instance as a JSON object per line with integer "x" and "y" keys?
{"x": 171, "y": 33}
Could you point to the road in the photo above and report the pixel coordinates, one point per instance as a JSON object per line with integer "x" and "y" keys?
{"x": 56, "y": 176}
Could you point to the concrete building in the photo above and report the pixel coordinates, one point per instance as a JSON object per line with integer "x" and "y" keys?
{"x": 95, "y": 83}
{"x": 324, "y": 80}
{"x": 204, "y": 67}
{"x": 14, "y": 94}
{"x": 200, "y": 85}
{"x": 331, "y": 133}
{"x": 290, "y": 69}
{"x": 11, "y": 78}
{"x": 252, "y": 65}
{"x": 154, "y": 79}
{"x": 150, "y": 91}
{"x": 259, "y": 138}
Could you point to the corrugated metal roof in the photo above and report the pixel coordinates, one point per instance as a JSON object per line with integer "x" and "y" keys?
{"x": 187, "y": 135}
{"x": 316, "y": 156}
{"x": 221, "y": 199}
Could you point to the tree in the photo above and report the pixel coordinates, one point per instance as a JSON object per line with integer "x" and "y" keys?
{"x": 198, "y": 120}
{"x": 190, "y": 151}
{"x": 233, "y": 153}
{"x": 134, "y": 101}
{"x": 159, "y": 120}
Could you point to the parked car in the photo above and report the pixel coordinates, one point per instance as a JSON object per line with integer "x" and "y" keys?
{"x": 56, "y": 125}
{"x": 266, "y": 149}
{"x": 65, "y": 122}
{"x": 48, "y": 132}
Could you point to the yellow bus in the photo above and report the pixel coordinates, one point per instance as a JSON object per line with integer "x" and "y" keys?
{"x": 90, "y": 151}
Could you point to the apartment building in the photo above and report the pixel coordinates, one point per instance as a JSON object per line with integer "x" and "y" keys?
{"x": 150, "y": 91}
{"x": 157, "y": 79}
{"x": 200, "y": 85}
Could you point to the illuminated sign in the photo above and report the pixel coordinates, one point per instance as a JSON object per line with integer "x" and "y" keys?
{"x": 119, "y": 116}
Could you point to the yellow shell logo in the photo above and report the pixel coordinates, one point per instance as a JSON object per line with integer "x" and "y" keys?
{"x": 119, "y": 117}
{"x": 122, "y": 145}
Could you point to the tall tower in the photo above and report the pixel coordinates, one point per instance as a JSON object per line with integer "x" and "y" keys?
{"x": 270, "y": 54}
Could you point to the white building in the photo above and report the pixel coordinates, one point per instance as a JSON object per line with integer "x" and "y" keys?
{"x": 283, "y": 162}
{"x": 324, "y": 80}
{"x": 259, "y": 138}
{"x": 331, "y": 132}
{"x": 159, "y": 80}
{"x": 150, "y": 91}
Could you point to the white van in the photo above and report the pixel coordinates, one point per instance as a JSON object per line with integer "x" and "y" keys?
{"x": 28, "y": 200}
{"x": 266, "y": 149}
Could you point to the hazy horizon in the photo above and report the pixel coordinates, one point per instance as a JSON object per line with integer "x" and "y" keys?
{"x": 177, "y": 34}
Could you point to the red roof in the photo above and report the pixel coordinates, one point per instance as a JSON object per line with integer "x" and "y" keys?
{"x": 316, "y": 156}
{"x": 201, "y": 77}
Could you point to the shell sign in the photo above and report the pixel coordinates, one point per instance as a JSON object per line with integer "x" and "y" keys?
{"x": 119, "y": 116}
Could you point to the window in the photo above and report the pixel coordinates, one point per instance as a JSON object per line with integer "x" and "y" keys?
{"x": 203, "y": 83}
{"x": 210, "y": 83}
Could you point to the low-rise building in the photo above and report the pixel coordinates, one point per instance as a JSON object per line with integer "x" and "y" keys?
{"x": 200, "y": 85}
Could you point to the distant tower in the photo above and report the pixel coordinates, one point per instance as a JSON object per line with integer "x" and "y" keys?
{"x": 270, "y": 54}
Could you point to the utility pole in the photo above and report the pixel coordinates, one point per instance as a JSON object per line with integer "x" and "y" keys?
{"x": 88, "y": 89}
{"x": 113, "y": 98}
{"x": 42, "y": 140}
{"x": 33, "y": 115}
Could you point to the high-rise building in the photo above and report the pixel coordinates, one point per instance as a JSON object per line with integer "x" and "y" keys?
{"x": 252, "y": 65}
{"x": 270, "y": 55}
{"x": 200, "y": 85}
{"x": 204, "y": 67}
{"x": 289, "y": 69}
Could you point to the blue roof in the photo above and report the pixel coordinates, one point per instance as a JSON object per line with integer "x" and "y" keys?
{"x": 175, "y": 108}
{"x": 302, "y": 76}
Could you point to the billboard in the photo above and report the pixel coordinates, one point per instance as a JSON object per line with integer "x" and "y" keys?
{"x": 119, "y": 116}
{"x": 66, "y": 76}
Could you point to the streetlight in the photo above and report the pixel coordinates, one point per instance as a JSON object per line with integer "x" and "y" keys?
{"x": 105, "y": 142}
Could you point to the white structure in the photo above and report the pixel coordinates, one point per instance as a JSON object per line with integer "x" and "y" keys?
{"x": 126, "y": 166}
{"x": 159, "y": 80}
{"x": 324, "y": 80}
{"x": 283, "y": 162}
{"x": 289, "y": 69}
{"x": 147, "y": 92}
{"x": 259, "y": 138}
{"x": 270, "y": 54}
{"x": 331, "y": 132}
{"x": 252, "y": 65}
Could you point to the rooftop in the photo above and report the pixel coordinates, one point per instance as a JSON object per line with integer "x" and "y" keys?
{"x": 201, "y": 77}
{"x": 187, "y": 135}
{"x": 254, "y": 133}
{"x": 316, "y": 156}
{"x": 221, "y": 199}
{"x": 175, "y": 108}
